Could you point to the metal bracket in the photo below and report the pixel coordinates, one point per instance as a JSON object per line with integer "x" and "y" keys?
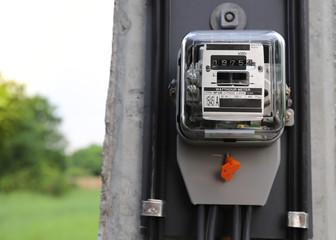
{"x": 298, "y": 219}
{"x": 289, "y": 117}
{"x": 153, "y": 208}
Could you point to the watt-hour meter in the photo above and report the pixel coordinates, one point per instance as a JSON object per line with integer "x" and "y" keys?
{"x": 231, "y": 86}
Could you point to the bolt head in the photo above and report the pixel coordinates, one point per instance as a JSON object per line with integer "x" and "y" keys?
{"x": 229, "y": 17}
{"x": 288, "y": 115}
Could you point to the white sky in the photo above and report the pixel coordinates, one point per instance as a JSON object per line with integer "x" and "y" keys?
{"x": 61, "y": 49}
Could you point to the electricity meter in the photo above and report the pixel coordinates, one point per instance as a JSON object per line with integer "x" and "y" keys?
{"x": 231, "y": 86}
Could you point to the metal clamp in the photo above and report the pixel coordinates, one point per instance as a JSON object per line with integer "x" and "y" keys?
{"x": 298, "y": 219}
{"x": 153, "y": 208}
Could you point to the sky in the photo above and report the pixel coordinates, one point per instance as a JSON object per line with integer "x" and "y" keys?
{"x": 61, "y": 49}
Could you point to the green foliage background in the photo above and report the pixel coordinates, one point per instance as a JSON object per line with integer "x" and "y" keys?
{"x": 86, "y": 161}
{"x": 33, "y": 161}
{"x": 32, "y": 149}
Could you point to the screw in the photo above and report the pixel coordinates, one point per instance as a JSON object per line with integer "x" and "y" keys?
{"x": 260, "y": 68}
{"x": 207, "y": 68}
{"x": 229, "y": 17}
{"x": 288, "y": 91}
{"x": 288, "y": 116}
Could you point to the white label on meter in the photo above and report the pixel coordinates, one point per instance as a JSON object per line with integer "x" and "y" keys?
{"x": 233, "y": 82}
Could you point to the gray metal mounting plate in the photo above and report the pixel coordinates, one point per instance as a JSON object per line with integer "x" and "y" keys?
{"x": 250, "y": 185}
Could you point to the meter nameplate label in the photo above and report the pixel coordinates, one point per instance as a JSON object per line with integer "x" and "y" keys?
{"x": 232, "y": 99}
{"x": 233, "y": 82}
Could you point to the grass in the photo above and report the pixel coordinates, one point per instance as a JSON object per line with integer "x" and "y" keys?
{"x": 32, "y": 216}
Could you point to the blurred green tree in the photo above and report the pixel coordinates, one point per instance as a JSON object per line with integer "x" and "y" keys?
{"x": 11, "y": 95}
{"x": 31, "y": 147}
{"x": 86, "y": 161}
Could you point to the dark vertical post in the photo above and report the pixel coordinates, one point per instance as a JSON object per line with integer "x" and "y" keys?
{"x": 156, "y": 98}
{"x": 299, "y": 159}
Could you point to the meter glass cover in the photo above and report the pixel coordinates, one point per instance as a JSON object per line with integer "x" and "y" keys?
{"x": 231, "y": 86}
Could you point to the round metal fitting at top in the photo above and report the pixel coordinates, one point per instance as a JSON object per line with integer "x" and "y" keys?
{"x": 228, "y": 16}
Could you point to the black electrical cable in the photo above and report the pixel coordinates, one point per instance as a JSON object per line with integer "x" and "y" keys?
{"x": 299, "y": 155}
{"x": 157, "y": 148}
{"x": 200, "y": 222}
{"x": 211, "y": 223}
{"x": 247, "y": 223}
{"x": 207, "y": 224}
{"x": 156, "y": 41}
{"x": 236, "y": 230}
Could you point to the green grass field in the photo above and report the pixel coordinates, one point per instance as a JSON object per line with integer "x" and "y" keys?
{"x": 32, "y": 216}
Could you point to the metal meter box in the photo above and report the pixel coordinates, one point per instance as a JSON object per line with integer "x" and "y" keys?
{"x": 230, "y": 93}
{"x": 214, "y": 110}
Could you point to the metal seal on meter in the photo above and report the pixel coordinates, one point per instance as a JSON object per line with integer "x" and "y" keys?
{"x": 231, "y": 86}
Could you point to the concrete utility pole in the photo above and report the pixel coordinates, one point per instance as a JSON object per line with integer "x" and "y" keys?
{"x": 122, "y": 155}
{"x": 322, "y": 84}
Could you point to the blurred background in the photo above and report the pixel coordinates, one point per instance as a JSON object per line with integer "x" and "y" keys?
{"x": 54, "y": 72}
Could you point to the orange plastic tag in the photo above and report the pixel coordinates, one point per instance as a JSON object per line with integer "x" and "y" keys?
{"x": 229, "y": 168}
